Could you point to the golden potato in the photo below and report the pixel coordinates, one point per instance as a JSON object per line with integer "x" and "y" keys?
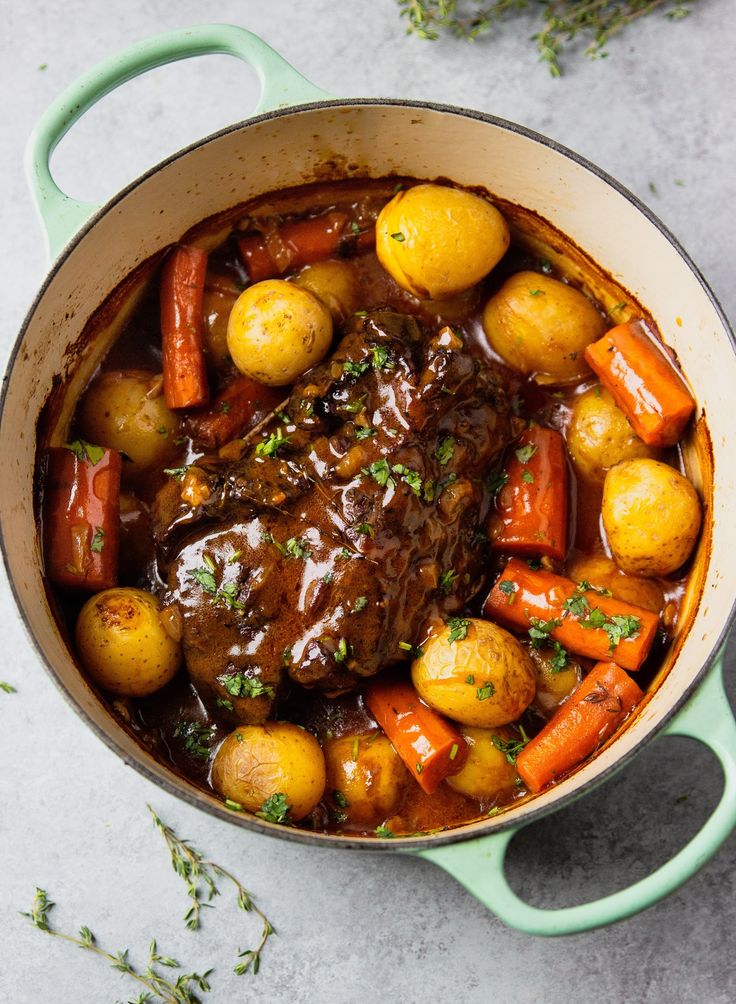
{"x": 553, "y": 685}
{"x": 216, "y": 308}
{"x": 651, "y": 515}
{"x": 277, "y": 331}
{"x": 483, "y": 677}
{"x": 334, "y": 283}
{"x": 365, "y": 778}
{"x": 123, "y": 643}
{"x": 256, "y": 762}
{"x": 541, "y": 326}
{"x": 599, "y": 435}
{"x": 600, "y": 571}
{"x": 125, "y": 411}
{"x": 437, "y": 241}
{"x": 488, "y": 771}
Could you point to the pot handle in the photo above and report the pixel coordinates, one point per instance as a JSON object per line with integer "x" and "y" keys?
{"x": 479, "y": 864}
{"x": 281, "y": 85}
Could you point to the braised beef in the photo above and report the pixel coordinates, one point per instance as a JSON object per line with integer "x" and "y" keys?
{"x": 323, "y": 553}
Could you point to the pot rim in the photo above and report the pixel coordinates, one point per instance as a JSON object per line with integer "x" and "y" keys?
{"x": 469, "y": 831}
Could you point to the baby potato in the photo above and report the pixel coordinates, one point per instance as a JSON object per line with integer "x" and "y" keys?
{"x": 651, "y": 515}
{"x": 553, "y": 685}
{"x": 487, "y": 771}
{"x": 484, "y": 678}
{"x": 123, "y": 643}
{"x": 125, "y": 411}
{"x": 600, "y": 571}
{"x": 277, "y": 331}
{"x": 437, "y": 241}
{"x": 258, "y": 761}
{"x": 599, "y": 435}
{"x": 541, "y": 326}
{"x": 334, "y": 283}
{"x": 366, "y": 780}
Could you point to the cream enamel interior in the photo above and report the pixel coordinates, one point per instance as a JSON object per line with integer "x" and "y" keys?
{"x": 368, "y": 139}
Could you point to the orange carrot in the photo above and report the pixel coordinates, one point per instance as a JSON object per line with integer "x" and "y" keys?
{"x": 582, "y": 620}
{"x": 584, "y": 722}
{"x": 82, "y": 515}
{"x": 236, "y": 409}
{"x": 644, "y": 383}
{"x": 182, "y": 328}
{"x": 531, "y": 515}
{"x": 303, "y": 242}
{"x": 429, "y": 745}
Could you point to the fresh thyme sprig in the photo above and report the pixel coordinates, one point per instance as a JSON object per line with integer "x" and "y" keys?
{"x": 184, "y": 989}
{"x": 200, "y": 875}
{"x": 564, "y": 21}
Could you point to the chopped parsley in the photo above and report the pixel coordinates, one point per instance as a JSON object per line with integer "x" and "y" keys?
{"x": 445, "y": 451}
{"x": 296, "y": 548}
{"x": 486, "y": 691}
{"x": 361, "y": 433}
{"x": 354, "y": 227}
{"x": 196, "y": 737}
{"x": 617, "y": 627}
{"x": 540, "y": 631}
{"x": 508, "y": 588}
{"x": 527, "y": 476}
{"x": 511, "y": 747}
{"x": 412, "y": 478}
{"x": 225, "y": 407}
{"x": 381, "y": 358}
{"x": 177, "y": 473}
{"x": 360, "y": 604}
{"x": 204, "y": 578}
{"x": 222, "y": 702}
{"x": 525, "y": 453}
{"x": 413, "y": 650}
{"x": 240, "y": 685}
{"x": 470, "y": 679}
{"x": 353, "y": 369}
{"x": 536, "y": 292}
{"x": 270, "y": 447}
{"x": 98, "y": 541}
{"x": 458, "y": 629}
{"x": 229, "y": 596}
{"x": 380, "y": 471}
{"x": 340, "y": 800}
{"x": 447, "y": 581}
{"x": 342, "y": 651}
{"x": 275, "y": 809}
{"x": 328, "y": 577}
{"x": 398, "y": 236}
{"x": 355, "y": 406}
{"x": 496, "y": 481}
{"x": 558, "y": 659}
{"x": 86, "y": 451}
{"x": 366, "y": 529}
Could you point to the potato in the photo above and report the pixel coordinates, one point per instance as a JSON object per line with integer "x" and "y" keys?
{"x": 600, "y": 571}
{"x": 599, "y": 435}
{"x": 123, "y": 643}
{"x": 541, "y": 326}
{"x": 484, "y": 679}
{"x": 258, "y": 761}
{"x": 125, "y": 411}
{"x": 334, "y": 283}
{"x": 365, "y": 779}
{"x": 487, "y": 772}
{"x": 553, "y": 685}
{"x": 277, "y": 331}
{"x": 437, "y": 241}
{"x": 651, "y": 515}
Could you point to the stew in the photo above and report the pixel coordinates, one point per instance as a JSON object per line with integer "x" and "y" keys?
{"x": 373, "y": 519}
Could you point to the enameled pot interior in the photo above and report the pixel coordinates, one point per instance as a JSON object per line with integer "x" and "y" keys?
{"x": 358, "y": 139}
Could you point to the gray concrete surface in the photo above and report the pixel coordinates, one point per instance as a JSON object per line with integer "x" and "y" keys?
{"x": 659, "y": 112}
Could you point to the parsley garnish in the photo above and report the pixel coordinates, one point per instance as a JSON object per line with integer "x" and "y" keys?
{"x": 195, "y": 736}
{"x": 366, "y": 529}
{"x": 414, "y": 650}
{"x": 355, "y": 406}
{"x": 558, "y": 661}
{"x": 540, "y": 631}
{"x": 354, "y": 227}
{"x": 98, "y": 541}
{"x": 295, "y": 548}
{"x": 240, "y": 685}
{"x": 360, "y": 604}
{"x": 527, "y": 476}
{"x": 177, "y": 473}
{"x": 412, "y": 478}
{"x": 86, "y": 451}
{"x": 525, "y": 453}
{"x": 342, "y": 651}
{"x": 340, "y": 800}
{"x": 486, "y": 691}
{"x": 458, "y": 629}
{"x": 205, "y": 578}
{"x": 275, "y": 809}
{"x": 445, "y": 450}
{"x": 398, "y": 236}
{"x": 381, "y": 358}
{"x": 353, "y": 369}
{"x": 361, "y": 433}
{"x": 511, "y": 747}
{"x": 508, "y": 588}
{"x": 225, "y": 407}
{"x": 270, "y": 447}
{"x": 447, "y": 581}
{"x": 380, "y": 471}
{"x": 384, "y": 832}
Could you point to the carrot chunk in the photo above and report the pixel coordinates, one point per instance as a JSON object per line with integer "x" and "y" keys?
{"x": 182, "y": 328}
{"x": 584, "y": 722}
{"x": 429, "y": 745}
{"x": 644, "y": 383}
{"x": 582, "y": 620}
{"x": 82, "y": 515}
{"x": 531, "y": 516}
{"x": 236, "y": 409}
{"x": 303, "y": 242}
